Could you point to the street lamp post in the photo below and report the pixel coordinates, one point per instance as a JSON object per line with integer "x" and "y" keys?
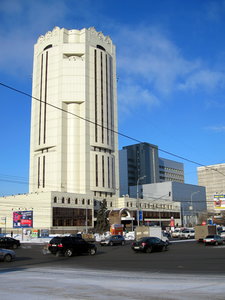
{"x": 138, "y": 204}
{"x": 191, "y": 206}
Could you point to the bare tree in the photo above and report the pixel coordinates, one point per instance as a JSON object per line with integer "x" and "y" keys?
{"x": 102, "y": 223}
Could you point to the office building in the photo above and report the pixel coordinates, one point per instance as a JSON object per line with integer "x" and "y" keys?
{"x": 73, "y": 146}
{"x": 140, "y": 164}
{"x": 170, "y": 170}
{"x": 213, "y": 178}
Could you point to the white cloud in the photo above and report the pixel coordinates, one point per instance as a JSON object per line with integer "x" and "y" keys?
{"x": 22, "y": 22}
{"x": 131, "y": 95}
{"x": 147, "y": 54}
{"x": 216, "y": 128}
{"x": 206, "y": 79}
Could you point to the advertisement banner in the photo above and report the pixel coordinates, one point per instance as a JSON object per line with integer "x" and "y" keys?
{"x": 23, "y": 219}
{"x": 219, "y": 202}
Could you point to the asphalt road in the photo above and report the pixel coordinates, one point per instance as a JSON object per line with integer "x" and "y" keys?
{"x": 182, "y": 257}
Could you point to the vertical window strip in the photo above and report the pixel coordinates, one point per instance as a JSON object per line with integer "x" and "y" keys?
{"x": 96, "y": 103}
{"x": 102, "y": 104}
{"x": 38, "y": 172}
{"x": 107, "y": 97}
{"x": 40, "y": 105}
{"x": 111, "y": 100}
{"x": 103, "y": 171}
{"x": 108, "y": 173}
{"x": 43, "y": 171}
{"x": 113, "y": 178}
{"x": 46, "y": 88}
{"x": 96, "y": 170}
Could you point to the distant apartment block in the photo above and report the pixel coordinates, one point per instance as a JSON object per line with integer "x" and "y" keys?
{"x": 213, "y": 178}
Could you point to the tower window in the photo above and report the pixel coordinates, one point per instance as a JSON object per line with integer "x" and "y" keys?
{"x": 47, "y": 47}
{"x": 100, "y": 47}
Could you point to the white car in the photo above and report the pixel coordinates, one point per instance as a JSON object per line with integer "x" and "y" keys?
{"x": 222, "y": 234}
{"x": 188, "y": 234}
{"x": 176, "y": 233}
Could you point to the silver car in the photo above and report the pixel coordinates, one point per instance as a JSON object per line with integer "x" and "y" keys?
{"x": 113, "y": 240}
{"x": 7, "y": 255}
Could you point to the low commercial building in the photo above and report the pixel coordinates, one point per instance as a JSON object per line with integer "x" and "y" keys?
{"x": 53, "y": 211}
{"x": 150, "y": 212}
{"x": 191, "y": 197}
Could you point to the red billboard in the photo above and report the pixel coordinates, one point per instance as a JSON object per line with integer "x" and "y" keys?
{"x": 23, "y": 219}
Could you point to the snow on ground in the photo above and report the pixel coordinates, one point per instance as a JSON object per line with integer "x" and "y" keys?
{"x": 46, "y": 283}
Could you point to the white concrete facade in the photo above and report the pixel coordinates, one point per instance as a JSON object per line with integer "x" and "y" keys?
{"x": 213, "y": 178}
{"x": 44, "y": 206}
{"x": 73, "y": 145}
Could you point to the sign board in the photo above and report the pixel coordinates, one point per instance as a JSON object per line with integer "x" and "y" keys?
{"x": 140, "y": 215}
{"x": 23, "y": 219}
{"x": 219, "y": 202}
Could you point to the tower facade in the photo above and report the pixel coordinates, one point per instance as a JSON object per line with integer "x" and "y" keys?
{"x": 73, "y": 145}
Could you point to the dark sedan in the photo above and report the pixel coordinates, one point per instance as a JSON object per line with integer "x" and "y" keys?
{"x": 149, "y": 244}
{"x": 8, "y": 242}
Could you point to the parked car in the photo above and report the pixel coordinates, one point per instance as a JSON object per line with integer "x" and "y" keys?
{"x": 69, "y": 245}
{"x": 187, "y": 234}
{"x": 222, "y": 234}
{"x": 149, "y": 244}
{"x": 176, "y": 233}
{"x": 7, "y": 255}
{"x": 113, "y": 240}
{"x": 8, "y": 242}
{"x": 213, "y": 239}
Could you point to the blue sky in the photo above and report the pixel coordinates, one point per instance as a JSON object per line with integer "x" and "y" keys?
{"x": 170, "y": 69}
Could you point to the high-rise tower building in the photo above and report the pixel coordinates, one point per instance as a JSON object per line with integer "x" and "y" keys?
{"x": 73, "y": 145}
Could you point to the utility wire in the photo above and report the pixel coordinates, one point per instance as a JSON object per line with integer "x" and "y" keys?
{"x": 92, "y": 122}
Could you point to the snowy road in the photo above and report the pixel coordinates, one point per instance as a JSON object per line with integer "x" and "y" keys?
{"x": 52, "y": 283}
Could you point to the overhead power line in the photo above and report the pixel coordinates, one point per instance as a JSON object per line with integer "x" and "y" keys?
{"x": 92, "y": 122}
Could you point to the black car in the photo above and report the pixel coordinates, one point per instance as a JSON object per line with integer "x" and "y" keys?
{"x": 113, "y": 240}
{"x": 69, "y": 245}
{"x": 8, "y": 242}
{"x": 149, "y": 244}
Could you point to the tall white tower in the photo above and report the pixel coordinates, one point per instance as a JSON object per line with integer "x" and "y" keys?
{"x": 73, "y": 145}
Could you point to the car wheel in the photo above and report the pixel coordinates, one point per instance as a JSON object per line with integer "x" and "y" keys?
{"x": 111, "y": 243}
{"x": 123, "y": 243}
{"x": 216, "y": 243}
{"x": 92, "y": 251}
{"x": 68, "y": 252}
{"x": 8, "y": 258}
{"x": 149, "y": 249}
{"x": 14, "y": 246}
{"x": 165, "y": 248}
